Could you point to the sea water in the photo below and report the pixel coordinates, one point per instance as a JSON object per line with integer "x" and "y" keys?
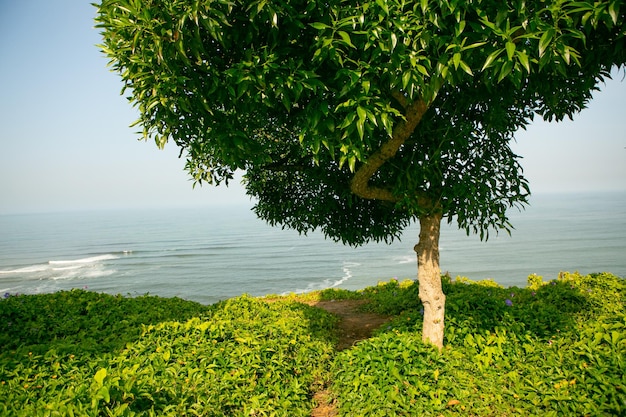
{"x": 212, "y": 253}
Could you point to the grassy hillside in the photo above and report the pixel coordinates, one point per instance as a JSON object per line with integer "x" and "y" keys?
{"x": 556, "y": 348}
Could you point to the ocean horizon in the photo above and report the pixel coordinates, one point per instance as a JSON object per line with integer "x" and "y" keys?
{"x": 212, "y": 253}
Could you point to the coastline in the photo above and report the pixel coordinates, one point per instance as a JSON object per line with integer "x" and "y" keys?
{"x": 213, "y": 254}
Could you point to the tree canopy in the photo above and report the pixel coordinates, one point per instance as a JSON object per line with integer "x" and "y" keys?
{"x": 359, "y": 117}
{"x": 312, "y": 96}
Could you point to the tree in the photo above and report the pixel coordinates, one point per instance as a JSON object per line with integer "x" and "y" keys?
{"x": 358, "y": 117}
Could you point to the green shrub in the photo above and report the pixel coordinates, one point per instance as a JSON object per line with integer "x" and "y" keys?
{"x": 328, "y": 294}
{"x": 555, "y": 348}
{"x": 393, "y": 297}
{"x": 80, "y": 321}
{"x": 552, "y": 349}
{"x": 242, "y": 357}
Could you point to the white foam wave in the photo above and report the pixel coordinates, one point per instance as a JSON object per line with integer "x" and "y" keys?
{"x": 404, "y": 259}
{"x": 89, "y": 260}
{"x": 347, "y": 273}
{"x": 82, "y": 273}
{"x": 329, "y": 283}
{"x": 90, "y": 267}
{"x": 26, "y": 270}
{"x": 67, "y": 268}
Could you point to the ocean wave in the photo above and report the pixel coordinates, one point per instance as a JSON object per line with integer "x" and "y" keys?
{"x": 407, "y": 259}
{"x": 83, "y": 273}
{"x": 89, "y": 260}
{"x": 68, "y": 268}
{"x": 26, "y": 270}
{"x": 347, "y": 272}
{"x": 65, "y": 269}
{"x": 329, "y": 283}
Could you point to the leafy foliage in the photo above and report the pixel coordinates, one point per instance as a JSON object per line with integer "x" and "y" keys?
{"x": 358, "y": 117}
{"x": 556, "y": 348}
{"x": 96, "y": 323}
{"x": 328, "y": 294}
{"x": 239, "y": 357}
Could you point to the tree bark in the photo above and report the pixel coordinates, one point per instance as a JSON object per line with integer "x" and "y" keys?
{"x": 429, "y": 277}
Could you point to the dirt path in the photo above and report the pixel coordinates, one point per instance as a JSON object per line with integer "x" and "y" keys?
{"x": 354, "y": 325}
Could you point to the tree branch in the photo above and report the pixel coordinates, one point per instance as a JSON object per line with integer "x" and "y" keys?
{"x": 400, "y": 98}
{"x": 359, "y": 184}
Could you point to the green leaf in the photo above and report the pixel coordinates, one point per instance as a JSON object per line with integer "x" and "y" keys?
{"x": 566, "y": 54}
{"x": 466, "y": 68}
{"x": 443, "y": 70}
{"x": 342, "y": 161}
{"x": 104, "y": 393}
{"x": 460, "y": 28}
{"x": 372, "y": 118}
{"x": 505, "y": 70}
{"x": 362, "y": 113}
{"x": 614, "y": 12}
{"x": 346, "y": 38}
{"x": 99, "y": 376}
{"x": 523, "y": 59}
{"x": 360, "y": 127}
{"x": 261, "y": 5}
{"x": 492, "y": 57}
{"x": 510, "y": 50}
{"x": 545, "y": 40}
{"x": 319, "y": 25}
{"x": 473, "y": 45}
{"x": 383, "y": 5}
{"x": 456, "y": 58}
{"x": 387, "y": 123}
{"x": 489, "y": 24}
{"x": 406, "y": 78}
{"x": 394, "y": 41}
{"x": 422, "y": 70}
{"x": 352, "y": 163}
{"x": 366, "y": 86}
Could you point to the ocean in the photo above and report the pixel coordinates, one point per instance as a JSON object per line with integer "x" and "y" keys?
{"x": 213, "y": 253}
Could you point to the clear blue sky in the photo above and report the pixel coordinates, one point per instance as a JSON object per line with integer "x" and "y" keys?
{"x": 65, "y": 141}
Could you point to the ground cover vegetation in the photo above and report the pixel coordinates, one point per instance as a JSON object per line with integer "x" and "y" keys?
{"x": 360, "y": 117}
{"x": 555, "y": 348}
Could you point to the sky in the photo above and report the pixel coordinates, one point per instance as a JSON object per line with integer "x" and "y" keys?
{"x": 66, "y": 144}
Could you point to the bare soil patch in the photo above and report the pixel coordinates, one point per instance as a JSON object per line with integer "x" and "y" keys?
{"x": 354, "y": 326}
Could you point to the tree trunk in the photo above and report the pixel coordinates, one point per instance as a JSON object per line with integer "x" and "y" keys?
{"x": 429, "y": 277}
